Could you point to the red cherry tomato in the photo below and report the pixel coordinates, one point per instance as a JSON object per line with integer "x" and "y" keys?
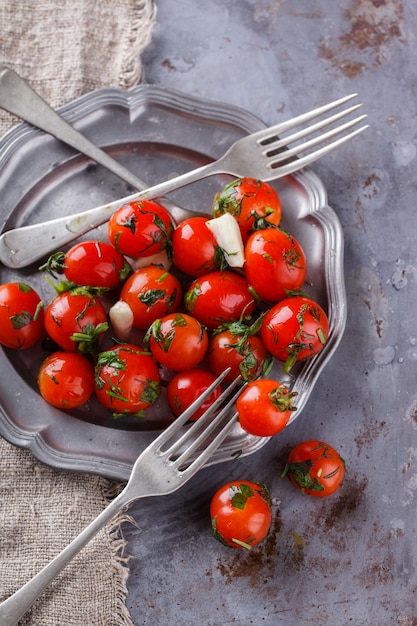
{"x": 252, "y": 202}
{"x": 66, "y": 380}
{"x": 151, "y": 292}
{"x": 275, "y": 264}
{"x": 185, "y": 387}
{"x": 316, "y": 468}
{"x": 194, "y": 248}
{"x": 127, "y": 380}
{"x": 76, "y": 321}
{"x": 90, "y": 264}
{"x": 295, "y": 329}
{"x": 21, "y": 316}
{"x": 140, "y": 229}
{"x": 241, "y": 514}
{"x": 219, "y": 297}
{"x": 246, "y": 356}
{"x": 178, "y": 341}
{"x": 265, "y": 407}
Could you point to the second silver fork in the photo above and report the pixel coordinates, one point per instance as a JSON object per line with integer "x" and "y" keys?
{"x": 162, "y": 468}
{"x": 262, "y": 155}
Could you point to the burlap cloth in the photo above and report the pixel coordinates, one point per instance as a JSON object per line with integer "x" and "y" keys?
{"x": 66, "y": 48}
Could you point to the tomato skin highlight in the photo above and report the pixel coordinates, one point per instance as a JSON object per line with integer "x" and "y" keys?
{"x": 187, "y": 386}
{"x": 73, "y": 313}
{"x": 66, "y": 380}
{"x": 151, "y": 292}
{"x": 253, "y": 203}
{"x": 315, "y": 468}
{"x": 127, "y": 380}
{"x": 241, "y": 514}
{"x": 21, "y": 316}
{"x": 194, "y": 248}
{"x": 294, "y": 330}
{"x": 178, "y": 341}
{"x": 90, "y": 264}
{"x": 275, "y": 264}
{"x": 245, "y": 358}
{"x": 219, "y": 297}
{"x": 140, "y": 229}
{"x": 264, "y": 407}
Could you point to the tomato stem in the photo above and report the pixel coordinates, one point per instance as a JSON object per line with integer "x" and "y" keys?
{"x": 243, "y": 544}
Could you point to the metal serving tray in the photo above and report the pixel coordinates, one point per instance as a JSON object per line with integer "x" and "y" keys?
{"x": 157, "y": 133}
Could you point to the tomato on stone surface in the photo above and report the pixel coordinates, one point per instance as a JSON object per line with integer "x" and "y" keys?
{"x": 66, "y": 379}
{"x": 265, "y": 407}
{"x": 316, "y": 468}
{"x": 252, "y": 202}
{"x": 127, "y": 380}
{"x": 89, "y": 264}
{"x": 275, "y": 264}
{"x": 194, "y": 248}
{"x": 178, "y": 341}
{"x": 241, "y": 514}
{"x": 244, "y": 354}
{"x": 151, "y": 292}
{"x": 76, "y": 320}
{"x": 140, "y": 229}
{"x": 185, "y": 387}
{"x": 219, "y": 297}
{"x": 21, "y": 316}
{"x": 294, "y": 330}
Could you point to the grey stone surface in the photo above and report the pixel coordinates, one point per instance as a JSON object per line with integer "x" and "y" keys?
{"x": 348, "y": 559}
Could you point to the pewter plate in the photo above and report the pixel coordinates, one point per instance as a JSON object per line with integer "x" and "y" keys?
{"x": 157, "y": 133}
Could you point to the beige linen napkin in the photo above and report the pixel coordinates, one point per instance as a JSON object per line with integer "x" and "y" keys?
{"x": 64, "y": 49}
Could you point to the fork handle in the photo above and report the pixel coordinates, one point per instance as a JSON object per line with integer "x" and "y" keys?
{"x": 18, "y": 97}
{"x": 13, "y": 609}
{"x": 22, "y": 246}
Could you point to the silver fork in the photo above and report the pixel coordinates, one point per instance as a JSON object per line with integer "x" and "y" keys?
{"x": 264, "y": 154}
{"x": 19, "y": 98}
{"x": 162, "y": 468}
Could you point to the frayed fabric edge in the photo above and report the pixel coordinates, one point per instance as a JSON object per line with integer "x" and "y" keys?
{"x": 144, "y": 20}
{"x": 118, "y": 550}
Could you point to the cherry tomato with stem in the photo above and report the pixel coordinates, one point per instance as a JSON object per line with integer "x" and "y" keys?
{"x": 151, "y": 292}
{"x": 76, "y": 320}
{"x": 140, "y": 229}
{"x": 194, "y": 248}
{"x": 178, "y": 341}
{"x": 66, "y": 379}
{"x": 294, "y": 330}
{"x": 315, "y": 468}
{"x": 89, "y": 264}
{"x": 238, "y": 346}
{"x": 253, "y": 203}
{"x": 265, "y": 407}
{"x": 241, "y": 514}
{"x": 186, "y": 386}
{"x": 21, "y": 316}
{"x": 219, "y": 297}
{"x": 275, "y": 264}
{"x": 127, "y": 380}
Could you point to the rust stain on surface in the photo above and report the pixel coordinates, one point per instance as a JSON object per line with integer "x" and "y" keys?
{"x": 374, "y": 26}
{"x": 256, "y": 564}
{"x": 371, "y": 430}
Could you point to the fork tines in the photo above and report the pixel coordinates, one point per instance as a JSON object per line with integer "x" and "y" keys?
{"x": 196, "y": 443}
{"x": 277, "y": 145}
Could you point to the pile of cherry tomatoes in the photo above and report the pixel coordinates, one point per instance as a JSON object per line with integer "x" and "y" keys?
{"x": 193, "y": 313}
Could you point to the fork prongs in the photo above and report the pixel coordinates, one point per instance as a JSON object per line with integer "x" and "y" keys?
{"x": 299, "y": 120}
{"x": 182, "y": 419}
{"x": 205, "y": 435}
{"x": 284, "y": 154}
{"x": 296, "y": 164}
